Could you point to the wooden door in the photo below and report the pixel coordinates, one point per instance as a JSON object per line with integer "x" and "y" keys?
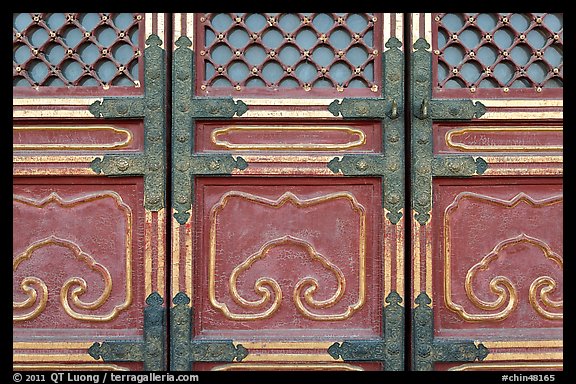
{"x": 271, "y": 191}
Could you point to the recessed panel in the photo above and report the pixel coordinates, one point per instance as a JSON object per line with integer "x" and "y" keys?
{"x": 288, "y": 258}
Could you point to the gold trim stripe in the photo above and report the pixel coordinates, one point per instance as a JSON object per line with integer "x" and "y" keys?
{"x": 68, "y": 367}
{"x": 57, "y": 357}
{"x": 416, "y": 285}
{"x": 524, "y": 344}
{"x": 530, "y": 103}
{"x": 176, "y": 256}
{"x": 188, "y": 251}
{"x": 287, "y": 357}
{"x": 160, "y": 237}
{"x": 287, "y": 367}
{"x": 399, "y": 270}
{"x": 148, "y": 253}
{"x": 51, "y": 345}
{"x": 251, "y": 345}
{"x": 388, "y": 254}
{"x": 505, "y": 356}
{"x": 51, "y": 113}
{"x": 71, "y": 101}
{"x": 505, "y": 366}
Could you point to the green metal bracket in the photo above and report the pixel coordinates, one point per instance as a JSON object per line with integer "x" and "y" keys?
{"x": 186, "y": 110}
{"x": 425, "y": 111}
{"x": 427, "y": 350}
{"x": 389, "y": 349}
{"x": 150, "y": 351}
{"x": 185, "y": 350}
{"x": 151, "y": 108}
{"x": 389, "y": 109}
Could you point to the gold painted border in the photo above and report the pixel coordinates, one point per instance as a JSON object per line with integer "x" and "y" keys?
{"x": 426, "y": 33}
{"x": 128, "y": 236}
{"x": 360, "y": 141}
{"x": 288, "y": 196}
{"x": 506, "y": 366}
{"x": 282, "y": 108}
{"x": 287, "y": 367}
{"x": 500, "y": 148}
{"x": 186, "y": 29}
{"x": 398, "y": 28}
{"x": 520, "y": 197}
{"x": 62, "y": 147}
{"x": 68, "y": 367}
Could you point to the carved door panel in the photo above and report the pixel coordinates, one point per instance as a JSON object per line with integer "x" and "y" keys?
{"x": 89, "y": 186}
{"x": 487, "y": 248}
{"x": 293, "y": 191}
{"x": 294, "y": 261}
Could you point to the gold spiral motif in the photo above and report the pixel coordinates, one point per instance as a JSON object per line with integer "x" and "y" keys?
{"x": 73, "y": 288}
{"x": 502, "y": 287}
{"x": 268, "y": 289}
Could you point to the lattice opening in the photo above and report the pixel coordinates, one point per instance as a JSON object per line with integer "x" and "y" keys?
{"x": 499, "y": 50}
{"x": 280, "y": 51}
{"x": 76, "y": 49}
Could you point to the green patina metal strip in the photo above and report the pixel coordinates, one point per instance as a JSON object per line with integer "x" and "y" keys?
{"x": 389, "y": 350}
{"x": 360, "y": 108}
{"x": 182, "y": 128}
{"x": 185, "y": 350}
{"x": 421, "y": 86}
{"x": 456, "y": 109}
{"x": 120, "y": 165}
{"x": 180, "y": 333}
{"x": 390, "y": 110}
{"x": 186, "y": 110}
{"x": 118, "y": 107}
{"x": 427, "y": 350}
{"x": 151, "y": 350}
{"x": 458, "y": 166}
{"x": 359, "y": 165}
{"x": 151, "y": 107}
{"x": 425, "y": 111}
{"x": 393, "y": 130}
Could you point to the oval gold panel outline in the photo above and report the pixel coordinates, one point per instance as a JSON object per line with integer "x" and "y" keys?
{"x": 361, "y": 140}
{"x": 287, "y": 196}
{"x": 450, "y": 136}
{"x": 78, "y": 146}
{"x": 497, "y": 289}
{"x": 54, "y": 197}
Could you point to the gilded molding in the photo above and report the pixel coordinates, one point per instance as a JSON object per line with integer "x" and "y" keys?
{"x": 506, "y": 292}
{"x": 74, "y": 287}
{"x": 264, "y": 284}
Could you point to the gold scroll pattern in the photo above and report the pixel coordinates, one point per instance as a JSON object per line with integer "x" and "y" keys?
{"x": 359, "y": 140}
{"x": 74, "y": 287}
{"x": 506, "y": 292}
{"x": 267, "y": 288}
